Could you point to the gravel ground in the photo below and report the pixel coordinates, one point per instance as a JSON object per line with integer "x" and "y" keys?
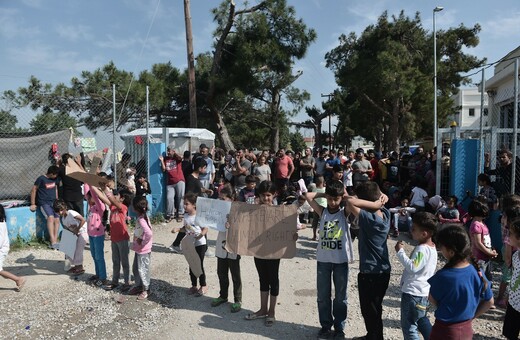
{"x": 53, "y": 305}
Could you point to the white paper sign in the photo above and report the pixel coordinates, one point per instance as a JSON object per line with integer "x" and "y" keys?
{"x": 212, "y": 213}
{"x": 68, "y": 243}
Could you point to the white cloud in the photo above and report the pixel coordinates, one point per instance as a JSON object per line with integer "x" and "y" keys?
{"x": 503, "y": 25}
{"x": 33, "y": 3}
{"x": 49, "y": 58}
{"x": 74, "y": 32}
{"x": 13, "y": 27}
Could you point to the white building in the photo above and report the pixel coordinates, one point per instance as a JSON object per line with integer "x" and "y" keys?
{"x": 467, "y": 108}
{"x": 500, "y": 88}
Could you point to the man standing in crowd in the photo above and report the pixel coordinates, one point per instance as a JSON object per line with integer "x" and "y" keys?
{"x": 172, "y": 165}
{"x": 361, "y": 168}
{"x": 321, "y": 161}
{"x": 283, "y": 168}
{"x": 307, "y": 165}
{"x": 242, "y": 168}
{"x": 207, "y": 178}
{"x": 503, "y": 172}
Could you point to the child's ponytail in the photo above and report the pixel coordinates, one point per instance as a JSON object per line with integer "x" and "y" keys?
{"x": 480, "y": 275}
{"x": 455, "y": 238}
{"x": 140, "y": 205}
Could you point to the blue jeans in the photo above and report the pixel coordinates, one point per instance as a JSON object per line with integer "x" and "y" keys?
{"x": 413, "y": 317}
{"x": 97, "y": 250}
{"x": 335, "y": 313}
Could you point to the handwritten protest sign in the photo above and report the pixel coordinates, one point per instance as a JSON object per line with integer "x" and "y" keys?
{"x": 75, "y": 171}
{"x": 212, "y": 213}
{"x": 262, "y": 231}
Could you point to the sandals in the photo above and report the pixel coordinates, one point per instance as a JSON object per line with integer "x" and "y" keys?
{"x": 20, "y": 284}
{"x": 135, "y": 290}
{"x": 269, "y": 321}
{"x": 110, "y": 286}
{"x": 202, "y": 291}
{"x": 236, "y": 307}
{"x": 253, "y": 316}
{"x": 218, "y": 301}
{"x": 143, "y": 295}
{"x": 192, "y": 290}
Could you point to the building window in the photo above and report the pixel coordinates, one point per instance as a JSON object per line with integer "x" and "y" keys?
{"x": 472, "y": 112}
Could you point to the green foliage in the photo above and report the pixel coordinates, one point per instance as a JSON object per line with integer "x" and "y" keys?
{"x": 8, "y": 122}
{"x": 385, "y": 77}
{"x": 297, "y": 141}
{"x": 157, "y": 218}
{"x": 50, "y": 121}
{"x": 19, "y": 243}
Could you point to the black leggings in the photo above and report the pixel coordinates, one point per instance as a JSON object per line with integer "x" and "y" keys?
{"x": 268, "y": 275}
{"x": 201, "y": 250}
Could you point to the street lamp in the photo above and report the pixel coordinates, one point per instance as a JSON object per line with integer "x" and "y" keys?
{"x": 435, "y": 126}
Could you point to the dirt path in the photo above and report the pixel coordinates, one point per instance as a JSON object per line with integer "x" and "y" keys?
{"x": 54, "y": 305}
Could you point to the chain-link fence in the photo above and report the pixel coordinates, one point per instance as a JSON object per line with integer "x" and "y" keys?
{"x": 495, "y": 141}
{"x": 37, "y": 129}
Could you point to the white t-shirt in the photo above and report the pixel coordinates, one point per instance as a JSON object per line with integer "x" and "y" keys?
{"x": 418, "y": 269}
{"x": 4, "y": 239}
{"x": 194, "y": 230}
{"x": 262, "y": 172}
{"x": 418, "y": 197}
{"x": 71, "y": 221}
{"x": 514, "y": 286}
{"x": 335, "y": 244}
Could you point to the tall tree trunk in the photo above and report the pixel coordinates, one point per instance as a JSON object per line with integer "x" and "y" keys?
{"x": 222, "y": 131}
{"x": 393, "y": 129}
{"x": 275, "y": 123}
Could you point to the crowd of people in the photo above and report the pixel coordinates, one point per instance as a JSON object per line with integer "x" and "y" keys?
{"x": 345, "y": 195}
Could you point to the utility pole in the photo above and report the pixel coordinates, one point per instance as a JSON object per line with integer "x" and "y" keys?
{"x": 330, "y": 95}
{"x": 191, "y": 65}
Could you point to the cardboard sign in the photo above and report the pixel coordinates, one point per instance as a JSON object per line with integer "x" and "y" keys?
{"x": 75, "y": 171}
{"x": 262, "y": 231}
{"x": 68, "y": 243}
{"x": 189, "y": 252}
{"x": 212, "y": 213}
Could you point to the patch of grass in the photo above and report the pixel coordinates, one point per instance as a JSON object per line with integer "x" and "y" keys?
{"x": 157, "y": 218}
{"x": 19, "y": 243}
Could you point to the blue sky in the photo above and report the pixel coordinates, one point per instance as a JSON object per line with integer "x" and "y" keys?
{"x": 55, "y": 40}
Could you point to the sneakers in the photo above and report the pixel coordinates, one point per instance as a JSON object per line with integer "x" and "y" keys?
{"x": 324, "y": 333}
{"x": 339, "y": 335}
{"x": 236, "y": 307}
{"x": 218, "y": 301}
{"x": 395, "y": 233}
{"x": 175, "y": 249}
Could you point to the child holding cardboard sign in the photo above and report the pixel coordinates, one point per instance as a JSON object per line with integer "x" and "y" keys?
{"x": 267, "y": 268}
{"x": 227, "y": 262}
{"x": 198, "y": 233}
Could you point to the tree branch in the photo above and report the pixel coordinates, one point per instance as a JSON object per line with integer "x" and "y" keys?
{"x": 375, "y": 105}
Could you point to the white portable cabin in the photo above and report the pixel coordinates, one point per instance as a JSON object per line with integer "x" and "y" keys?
{"x": 181, "y": 139}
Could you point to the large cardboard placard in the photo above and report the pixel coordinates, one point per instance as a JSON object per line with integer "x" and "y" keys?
{"x": 68, "y": 243}
{"x": 190, "y": 253}
{"x": 75, "y": 171}
{"x": 262, "y": 231}
{"x": 212, "y": 213}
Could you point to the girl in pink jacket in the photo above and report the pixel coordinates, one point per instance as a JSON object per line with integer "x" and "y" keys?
{"x": 142, "y": 245}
